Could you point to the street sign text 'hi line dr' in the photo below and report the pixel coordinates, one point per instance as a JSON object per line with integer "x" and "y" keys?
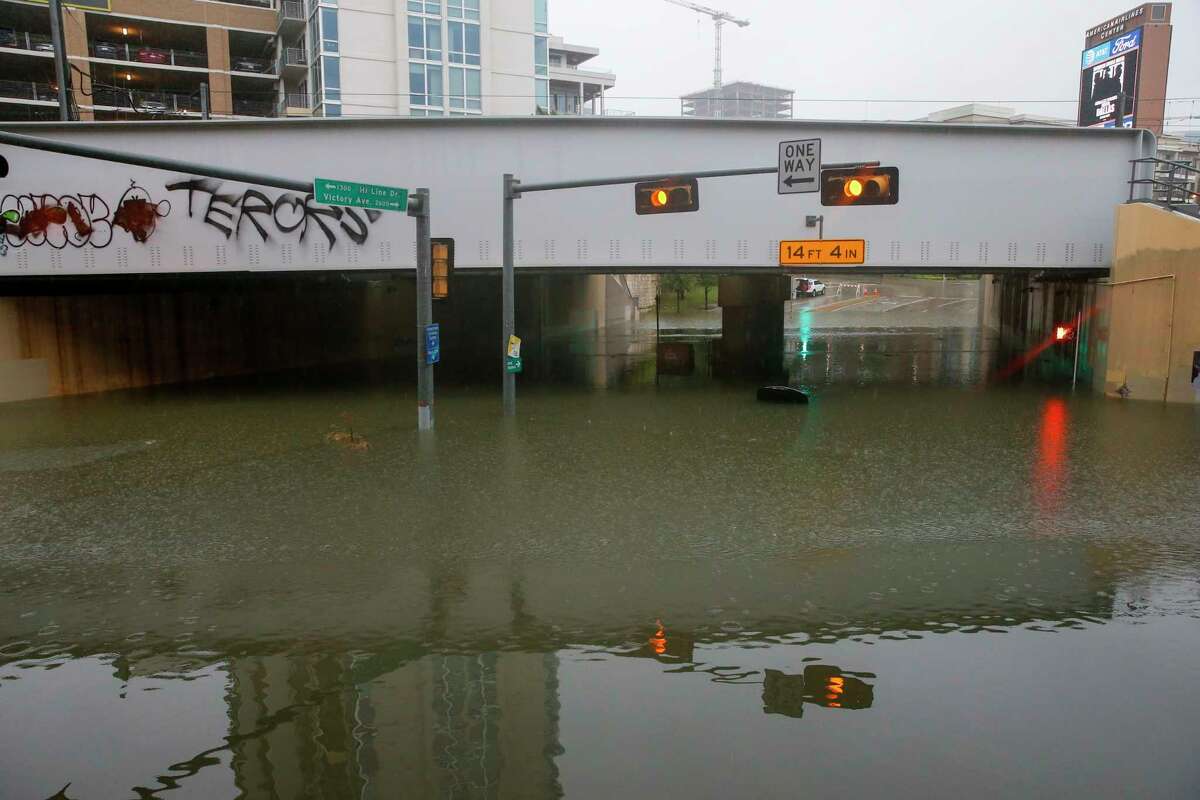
{"x": 359, "y": 195}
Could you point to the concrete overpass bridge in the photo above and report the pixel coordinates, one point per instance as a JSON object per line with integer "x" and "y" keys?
{"x": 82, "y": 237}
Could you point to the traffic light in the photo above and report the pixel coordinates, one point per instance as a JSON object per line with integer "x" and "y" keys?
{"x": 667, "y": 197}
{"x": 442, "y": 251}
{"x": 860, "y": 186}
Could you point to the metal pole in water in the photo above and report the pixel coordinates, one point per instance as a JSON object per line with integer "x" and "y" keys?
{"x": 1078, "y": 334}
{"x": 508, "y": 291}
{"x": 60, "y": 59}
{"x": 424, "y": 313}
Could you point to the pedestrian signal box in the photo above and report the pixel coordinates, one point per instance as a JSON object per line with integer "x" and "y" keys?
{"x": 667, "y": 197}
{"x": 860, "y": 186}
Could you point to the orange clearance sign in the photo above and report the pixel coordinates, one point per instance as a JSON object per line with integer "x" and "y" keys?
{"x": 810, "y": 252}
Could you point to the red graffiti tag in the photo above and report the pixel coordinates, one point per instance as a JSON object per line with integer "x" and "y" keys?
{"x": 81, "y": 225}
{"x": 137, "y": 216}
{"x": 39, "y": 220}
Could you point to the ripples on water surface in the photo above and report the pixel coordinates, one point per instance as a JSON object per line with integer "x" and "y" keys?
{"x": 931, "y": 590}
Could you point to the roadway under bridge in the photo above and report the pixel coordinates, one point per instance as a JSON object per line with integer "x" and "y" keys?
{"x": 114, "y": 275}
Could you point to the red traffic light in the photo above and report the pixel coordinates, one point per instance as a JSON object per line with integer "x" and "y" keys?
{"x": 860, "y": 186}
{"x": 666, "y": 197}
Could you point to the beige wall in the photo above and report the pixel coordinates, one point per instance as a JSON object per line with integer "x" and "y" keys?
{"x": 226, "y": 14}
{"x": 1154, "y": 314}
{"x": 220, "y": 87}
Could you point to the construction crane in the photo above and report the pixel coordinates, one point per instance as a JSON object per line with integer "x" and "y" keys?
{"x": 719, "y": 18}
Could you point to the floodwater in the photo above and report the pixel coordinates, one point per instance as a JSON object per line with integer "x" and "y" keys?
{"x": 917, "y": 585}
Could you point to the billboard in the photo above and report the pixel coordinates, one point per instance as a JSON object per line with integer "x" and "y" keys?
{"x": 1108, "y": 82}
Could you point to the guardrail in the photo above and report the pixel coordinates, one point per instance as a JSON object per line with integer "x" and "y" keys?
{"x": 1171, "y": 182}
{"x": 28, "y": 90}
{"x": 253, "y": 108}
{"x": 148, "y": 102}
{"x": 24, "y": 40}
{"x": 292, "y": 57}
{"x": 153, "y": 56}
{"x": 292, "y": 10}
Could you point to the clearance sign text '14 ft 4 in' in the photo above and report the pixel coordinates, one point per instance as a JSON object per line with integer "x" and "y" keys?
{"x": 829, "y": 252}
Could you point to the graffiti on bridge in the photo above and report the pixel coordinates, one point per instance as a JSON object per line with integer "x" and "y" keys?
{"x": 286, "y": 214}
{"x": 77, "y": 220}
{"x": 87, "y": 220}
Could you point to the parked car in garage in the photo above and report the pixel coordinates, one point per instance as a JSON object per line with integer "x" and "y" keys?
{"x": 149, "y": 55}
{"x": 109, "y": 50}
{"x": 250, "y": 65}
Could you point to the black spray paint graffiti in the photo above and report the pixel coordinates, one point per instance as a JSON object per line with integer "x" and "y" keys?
{"x": 81, "y": 220}
{"x": 287, "y": 213}
{"x": 77, "y": 220}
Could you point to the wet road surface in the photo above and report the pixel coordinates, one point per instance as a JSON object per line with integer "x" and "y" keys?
{"x": 917, "y": 585}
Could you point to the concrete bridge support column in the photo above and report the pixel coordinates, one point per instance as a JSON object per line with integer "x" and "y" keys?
{"x": 1025, "y": 309}
{"x": 752, "y": 325}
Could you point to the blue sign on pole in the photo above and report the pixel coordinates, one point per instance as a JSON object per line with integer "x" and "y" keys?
{"x": 433, "y": 343}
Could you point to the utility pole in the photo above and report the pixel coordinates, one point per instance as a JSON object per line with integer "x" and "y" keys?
{"x": 424, "y": 309}
{"x": 60, "y": 59}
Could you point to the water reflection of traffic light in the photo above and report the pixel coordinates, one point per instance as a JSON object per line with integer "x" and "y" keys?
{"x": 666, "y": 646}
{"x": 820, "y": 684}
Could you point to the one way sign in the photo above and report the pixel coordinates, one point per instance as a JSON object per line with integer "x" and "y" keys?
{"x": 799, "y": 166}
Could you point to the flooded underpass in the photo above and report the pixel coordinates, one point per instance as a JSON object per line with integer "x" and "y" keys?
{"x": 923, "y": 583}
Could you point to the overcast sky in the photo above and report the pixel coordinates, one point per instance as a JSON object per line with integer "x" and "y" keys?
{"x": 854, "y": 51}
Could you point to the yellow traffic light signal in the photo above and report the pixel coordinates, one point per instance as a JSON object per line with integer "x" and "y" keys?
{"x": 667, "y": 197}
{"x": 442, "y": 252}
{"x": 860, "y": 186}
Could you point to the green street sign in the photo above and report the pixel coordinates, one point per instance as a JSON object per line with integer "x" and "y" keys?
{"x": 359, "y": 195}
{"x": 512, "y": 364}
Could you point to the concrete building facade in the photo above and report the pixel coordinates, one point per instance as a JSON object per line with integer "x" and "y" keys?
{"x": 739, "y": 100}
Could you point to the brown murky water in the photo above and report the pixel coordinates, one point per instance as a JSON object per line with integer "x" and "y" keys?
{"x": 914, "y": 586}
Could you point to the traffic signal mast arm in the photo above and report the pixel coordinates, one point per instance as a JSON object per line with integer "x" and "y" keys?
{"x": 519, "y": 188}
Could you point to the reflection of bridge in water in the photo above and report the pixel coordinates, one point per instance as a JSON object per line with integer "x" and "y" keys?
{"x": 451, "y": 689}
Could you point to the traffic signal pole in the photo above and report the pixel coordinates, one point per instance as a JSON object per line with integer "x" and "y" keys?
{"x": 60, "y": 59}
{"x": 513, "y": 189}
{"x": 508, "y": 291}
{"x": 419, "y": 208}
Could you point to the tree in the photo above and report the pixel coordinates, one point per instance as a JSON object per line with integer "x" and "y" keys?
{"x": 709, "y": 281}
{"x": 676, "y": 283}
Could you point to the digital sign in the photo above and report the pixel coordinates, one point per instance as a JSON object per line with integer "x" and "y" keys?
{"x": 1108, "y": 82}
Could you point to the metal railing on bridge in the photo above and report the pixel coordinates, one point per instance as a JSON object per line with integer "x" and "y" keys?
{"x": 1172, "y": 184}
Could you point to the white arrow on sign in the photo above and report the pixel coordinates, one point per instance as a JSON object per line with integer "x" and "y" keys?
{"x": 799, "y": 166}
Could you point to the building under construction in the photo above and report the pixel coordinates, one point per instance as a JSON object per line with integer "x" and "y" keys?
{"x": 740, "y": 100}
